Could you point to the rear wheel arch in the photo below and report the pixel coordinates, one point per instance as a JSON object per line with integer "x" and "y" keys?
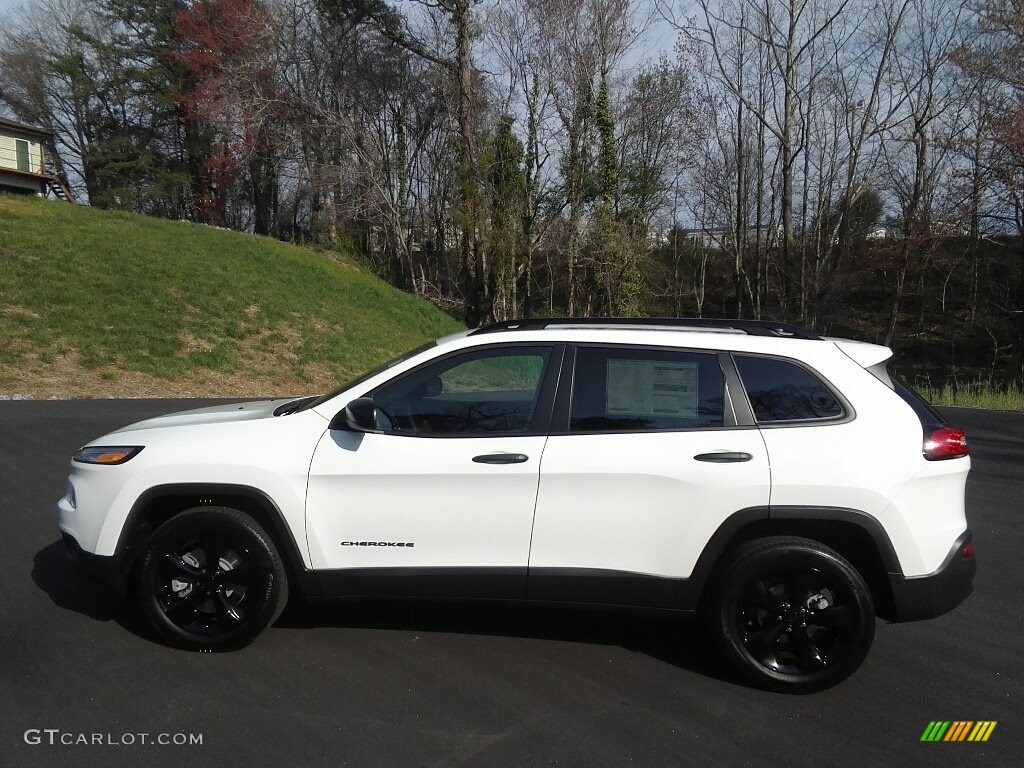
{"x": 855, "y": 535}
{"x": 160, "y": 503}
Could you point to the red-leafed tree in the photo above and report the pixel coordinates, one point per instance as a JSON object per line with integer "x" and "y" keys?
{"x": 227, "y": 46}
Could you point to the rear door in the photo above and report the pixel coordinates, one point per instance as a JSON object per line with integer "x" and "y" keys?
{"x": 644, "y": 463}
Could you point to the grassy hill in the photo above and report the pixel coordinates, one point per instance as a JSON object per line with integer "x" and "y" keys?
{"x": 102, "y": 304}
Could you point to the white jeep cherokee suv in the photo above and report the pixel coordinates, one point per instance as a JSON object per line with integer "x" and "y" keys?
{"x": 782, "y": 483}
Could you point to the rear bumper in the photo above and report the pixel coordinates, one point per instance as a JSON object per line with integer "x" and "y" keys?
{"x": 925, "y": 597}
{"x": 105, "y": 571}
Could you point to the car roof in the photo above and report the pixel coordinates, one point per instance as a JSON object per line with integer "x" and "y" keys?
{"x": 761, "y": 336}
{"x": 693, "y": 324}
{"x": 682, "y": 337}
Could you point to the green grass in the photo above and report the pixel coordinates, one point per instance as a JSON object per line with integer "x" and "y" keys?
{"x": 975, "y": 395}
{"x": 125, "y": 293}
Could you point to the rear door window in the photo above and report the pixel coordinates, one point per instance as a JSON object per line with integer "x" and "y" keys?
{"x": 785, "y": 391}
{"x": 620, "y": 389}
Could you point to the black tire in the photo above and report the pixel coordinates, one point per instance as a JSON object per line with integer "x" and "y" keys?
{"x": 791, "y": 615}
{"x": 211, "y": 579}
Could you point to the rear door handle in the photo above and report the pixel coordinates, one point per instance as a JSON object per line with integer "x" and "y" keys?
{"x": 723, "y": 457}
{"x": 501, "y": 458}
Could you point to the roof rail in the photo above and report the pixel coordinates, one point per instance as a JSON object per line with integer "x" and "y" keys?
{"x": 749, "y": 327}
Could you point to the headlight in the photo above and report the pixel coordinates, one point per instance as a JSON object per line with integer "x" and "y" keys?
{"x": 106, "y": 454}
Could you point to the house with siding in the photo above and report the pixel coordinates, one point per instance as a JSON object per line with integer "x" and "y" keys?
{"x": 28, "y": 162}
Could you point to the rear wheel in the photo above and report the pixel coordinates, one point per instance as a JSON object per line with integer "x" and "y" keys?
{"x": 210, "y": 578}
{"x": 792, "y": 615}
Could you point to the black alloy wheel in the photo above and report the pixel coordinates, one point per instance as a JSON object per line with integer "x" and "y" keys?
{"x": 793, "y": 615}
{"x": 211, "y": 579}
{"x": 797, "y": 622}
{"x": 203, "y": 584}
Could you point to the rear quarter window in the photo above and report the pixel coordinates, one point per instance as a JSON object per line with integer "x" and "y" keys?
{"x": 927, "y": 415}
{"x": 781, "y": 391}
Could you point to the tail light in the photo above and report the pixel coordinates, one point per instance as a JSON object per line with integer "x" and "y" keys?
{"x": 967, "y": 550}
{"x": 945, "y": 443}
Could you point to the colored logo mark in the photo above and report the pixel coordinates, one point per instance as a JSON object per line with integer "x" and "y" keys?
{"x": 958, "y": 730}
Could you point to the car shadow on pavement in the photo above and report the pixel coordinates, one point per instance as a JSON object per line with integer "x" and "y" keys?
{"x": 679, "y": 640}
{"x": 55, "y": 574}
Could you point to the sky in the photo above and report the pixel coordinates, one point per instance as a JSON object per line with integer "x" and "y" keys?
{"x": 660, "y": 37}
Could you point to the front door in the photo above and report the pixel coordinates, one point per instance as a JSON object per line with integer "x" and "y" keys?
{"x": 647, "y": 466}
{"x": 441, "y": 501}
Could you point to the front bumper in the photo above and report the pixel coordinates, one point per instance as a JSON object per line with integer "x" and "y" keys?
{"x": 106, "y": 571}
{"x": 925, "y": 597}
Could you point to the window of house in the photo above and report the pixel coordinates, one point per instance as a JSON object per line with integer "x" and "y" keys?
{"x": 616, "y": 389}
{"x": 484, "y": 391}
{"x": 784, "y": 391}
{"x": 22, "y": 148}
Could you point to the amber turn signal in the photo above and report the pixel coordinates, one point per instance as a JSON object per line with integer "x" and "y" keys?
{"x": 106, "y": 454}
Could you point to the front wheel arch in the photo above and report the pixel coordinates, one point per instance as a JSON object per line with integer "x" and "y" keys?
{"x": 160, "y": 503}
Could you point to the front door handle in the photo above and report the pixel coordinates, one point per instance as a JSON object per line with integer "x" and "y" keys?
{"x": 501, "y": 458}
{"x": 723, "y": 457}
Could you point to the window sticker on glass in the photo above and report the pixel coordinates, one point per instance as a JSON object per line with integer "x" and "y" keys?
{"x": 652, "y": 388}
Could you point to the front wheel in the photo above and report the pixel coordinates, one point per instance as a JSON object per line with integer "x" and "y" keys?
{"x": 792, "y": 615}
{"x": 211, "y": 578}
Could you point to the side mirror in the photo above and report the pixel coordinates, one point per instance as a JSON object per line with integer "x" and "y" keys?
{"x": 358, "y": 416}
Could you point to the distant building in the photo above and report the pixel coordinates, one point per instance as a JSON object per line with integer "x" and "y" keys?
{"x": 27, "y": 162}
{"x": 722, "y": 237}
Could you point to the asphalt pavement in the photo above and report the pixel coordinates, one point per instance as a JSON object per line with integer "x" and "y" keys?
{"x": 404, "y": 684}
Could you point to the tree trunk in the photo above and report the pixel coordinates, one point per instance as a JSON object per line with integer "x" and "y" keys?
{"x": 471, "y": 258}
{"x": 741, "y": 164}
{"x": 261, "y": 176}
{"x": 786, "y": 140}
{"x": 909, "y": 230}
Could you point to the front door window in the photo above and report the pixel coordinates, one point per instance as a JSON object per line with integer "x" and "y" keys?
{"x": 479, "y": 393}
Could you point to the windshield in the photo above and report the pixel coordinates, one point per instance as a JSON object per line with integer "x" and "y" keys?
{"x": 312, "y": 402}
